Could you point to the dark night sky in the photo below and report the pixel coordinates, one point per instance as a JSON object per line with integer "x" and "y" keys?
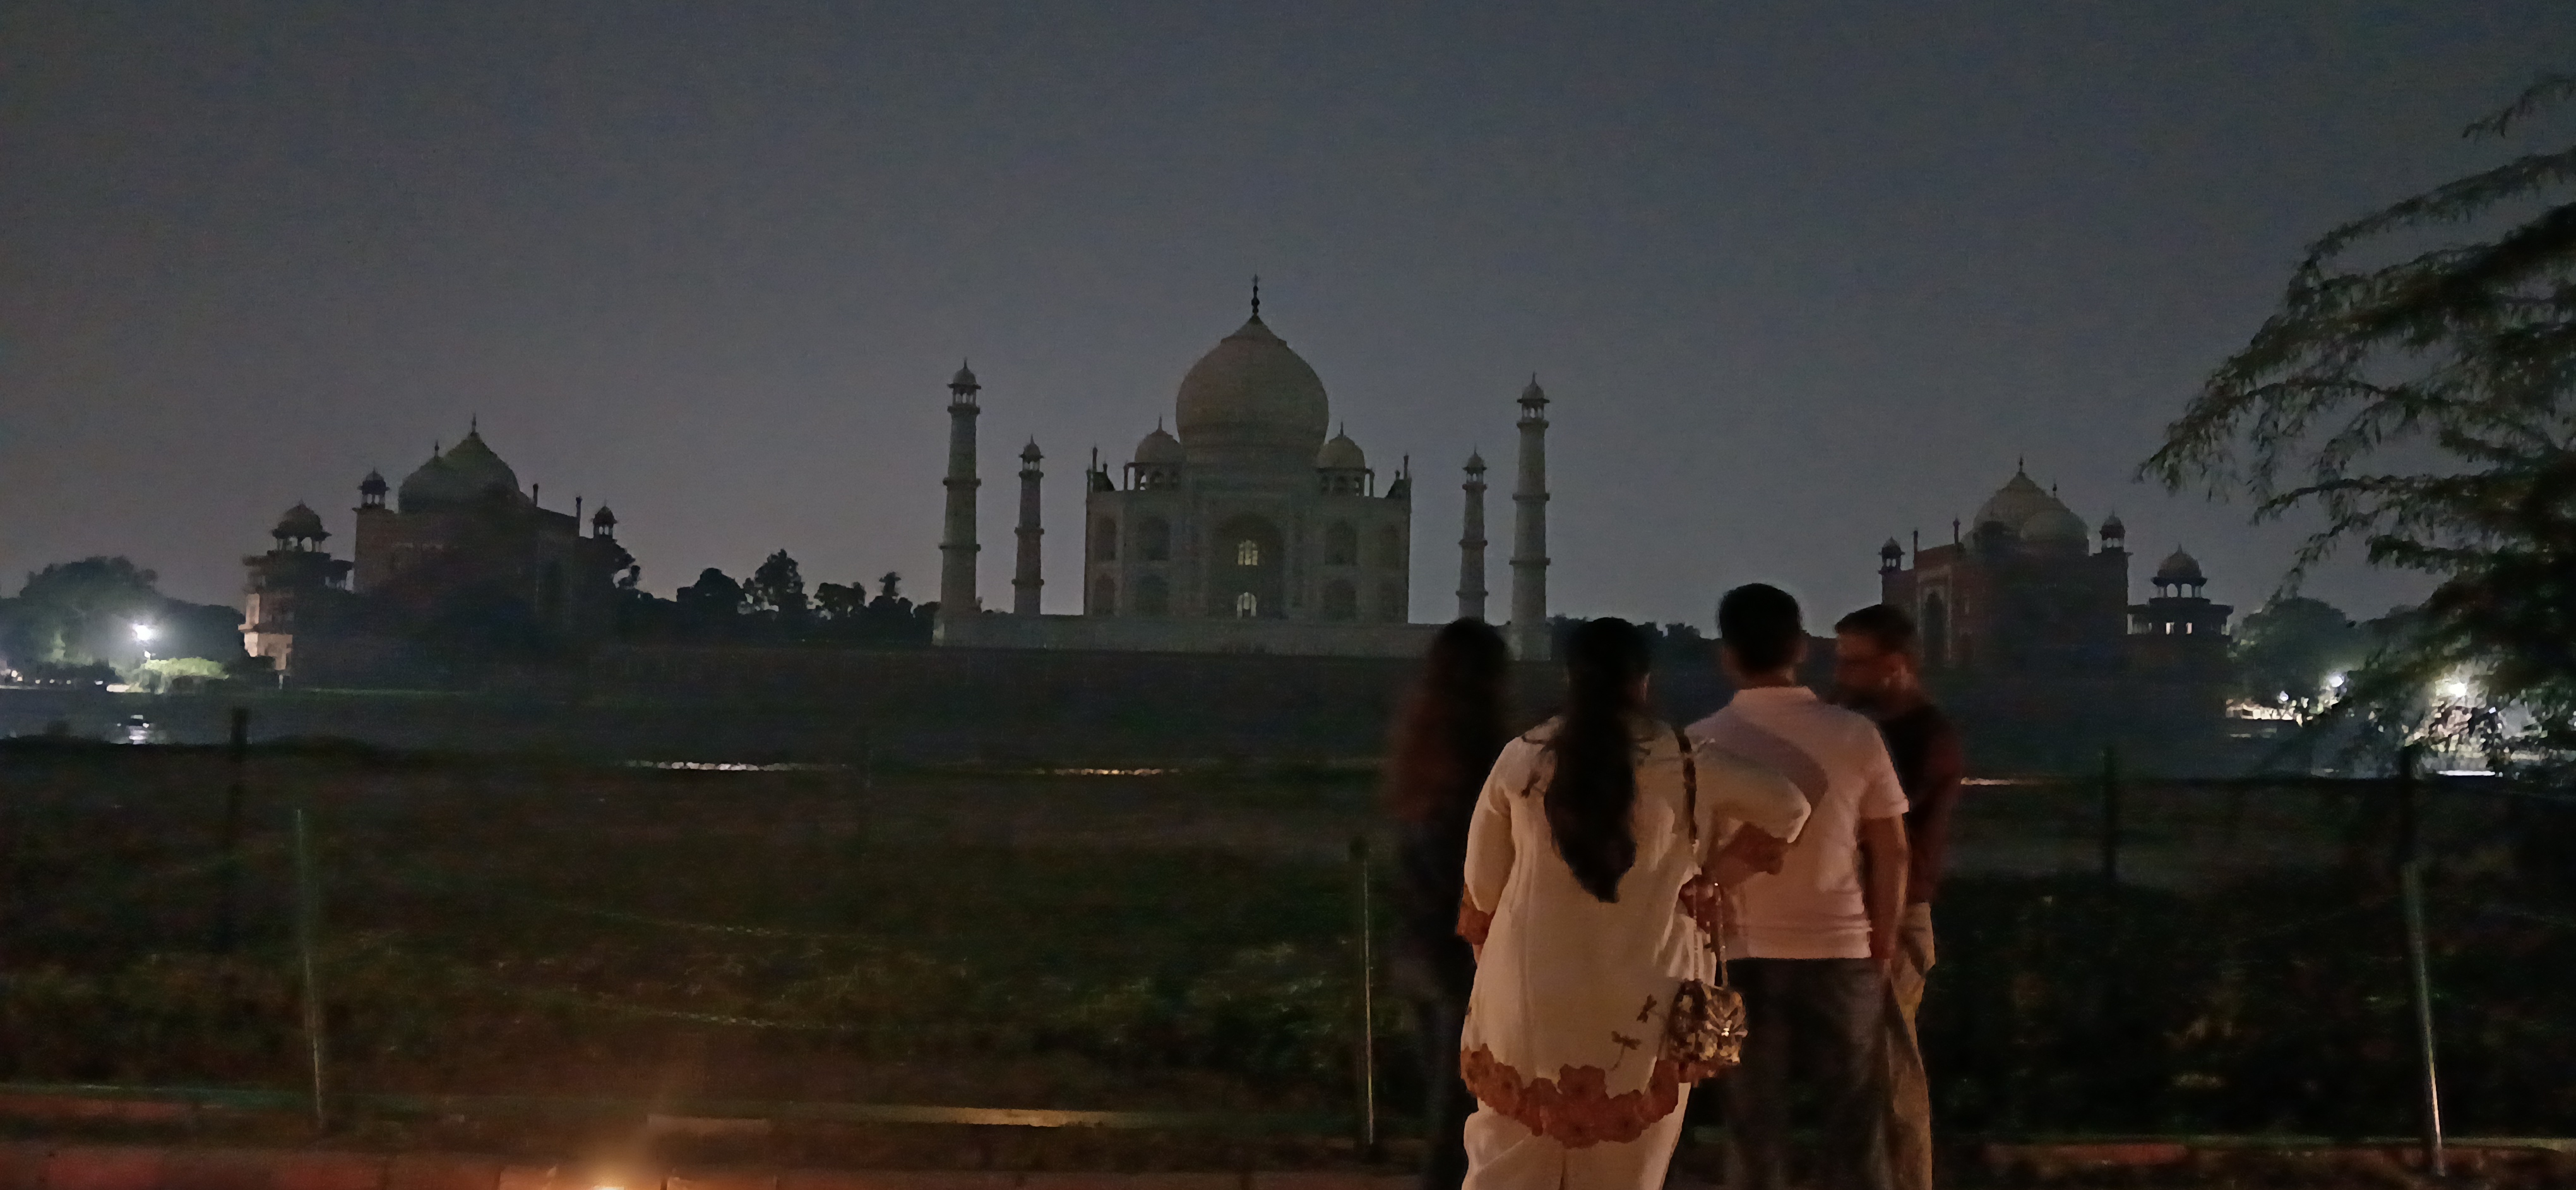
{"x": 1800, "y": 275}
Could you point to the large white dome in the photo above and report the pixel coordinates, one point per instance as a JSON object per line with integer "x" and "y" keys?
{"x": 1250, "y": 400}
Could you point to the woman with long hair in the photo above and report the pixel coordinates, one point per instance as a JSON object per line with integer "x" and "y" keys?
{"x": 1451, "y": 729}
{"x": 1588, "y": 855}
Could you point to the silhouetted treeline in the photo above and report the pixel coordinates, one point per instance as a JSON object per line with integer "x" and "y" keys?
{"x": 772, "y": 607}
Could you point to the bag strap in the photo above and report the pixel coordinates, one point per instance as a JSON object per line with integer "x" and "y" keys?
{"x": 1690, "y": 789}
{"x": 1690, "y": 809}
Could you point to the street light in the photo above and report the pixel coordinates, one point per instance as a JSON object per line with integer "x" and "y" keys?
{"x": 2334, "y": 681}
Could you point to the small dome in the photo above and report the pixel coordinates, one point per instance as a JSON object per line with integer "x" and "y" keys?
{"x": 1159, "y": 449}
{"x": 2180, "y": 569}
{"x": 299, "y": 522}
{"x": 603, "y": 518}
{"x": 1533, "y": 395}
{"x": 2113, "y": 530}
{"x": 1341, "y": 454}
{"x": 1252, "y": 399}
{"x": 1029, "y": 453}
{"x": 964, "y": 380}
{"x": 373, "y": 484}
{"x": 1476, "y": 463}
{"x": 1891, "y": 551}
{"x": 2055, "y": 526}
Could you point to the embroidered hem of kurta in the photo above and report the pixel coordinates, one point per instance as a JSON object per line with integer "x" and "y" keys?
{"x": 1576, "y": 1108}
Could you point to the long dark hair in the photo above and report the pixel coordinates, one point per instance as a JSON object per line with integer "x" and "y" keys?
{"x": 1595, "y": 784}
{"x": 1453, "y": 725}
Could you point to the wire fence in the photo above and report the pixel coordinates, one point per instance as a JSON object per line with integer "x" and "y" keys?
{"x": 355, "y": 940}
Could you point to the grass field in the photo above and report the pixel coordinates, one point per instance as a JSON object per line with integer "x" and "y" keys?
{"x": 1132, "y": 941}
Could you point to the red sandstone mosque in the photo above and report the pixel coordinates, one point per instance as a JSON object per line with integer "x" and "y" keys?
{"x": 459, "y": 550}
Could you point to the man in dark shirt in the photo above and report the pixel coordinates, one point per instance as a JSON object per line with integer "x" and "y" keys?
{"x": 1875, "y": 672}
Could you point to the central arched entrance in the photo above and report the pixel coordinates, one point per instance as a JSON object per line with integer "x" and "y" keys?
{"x": 1246, "y": 580}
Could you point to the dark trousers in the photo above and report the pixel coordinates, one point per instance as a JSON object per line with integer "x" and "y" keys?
{"x": 1820, "y": 1022}
{"x": 1446, "y": 1103}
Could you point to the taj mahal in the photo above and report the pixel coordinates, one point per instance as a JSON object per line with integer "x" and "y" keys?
{"x": 1249, "y": 530}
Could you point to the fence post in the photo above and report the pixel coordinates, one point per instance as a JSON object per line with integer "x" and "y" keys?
{"x": 2410, "y": 891}
{"x": 1368, "y": 1003}
{"x": 228, "y": 907}
{"x": 2111, "y": 813}
{"x": 308, "y": 930}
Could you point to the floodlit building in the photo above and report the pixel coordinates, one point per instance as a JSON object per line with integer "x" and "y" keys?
{"x": 1242, "y": 527}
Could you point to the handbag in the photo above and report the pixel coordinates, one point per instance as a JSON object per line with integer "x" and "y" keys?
{"x": 1704, "y": 1030}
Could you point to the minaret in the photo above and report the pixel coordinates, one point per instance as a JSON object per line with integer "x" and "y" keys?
{"x": 957, "y": 548}
{"x": 1025, "y": 581}
{"x": 1529, "y": 634}
{"x": 1471, "y": 545}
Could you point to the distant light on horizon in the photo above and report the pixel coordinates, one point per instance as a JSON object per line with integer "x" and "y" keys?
{"x": 146, "y": 632}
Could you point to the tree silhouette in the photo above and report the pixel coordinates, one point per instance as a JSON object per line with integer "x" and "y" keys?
{"x": 777, "y": 588}
{"x": 2424, "y": 402}
{"x": 714, "y": 599}
{"x": 840, "y": 603}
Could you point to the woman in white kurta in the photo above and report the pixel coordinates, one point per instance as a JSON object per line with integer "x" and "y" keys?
{"x": 1564, "y": 1038}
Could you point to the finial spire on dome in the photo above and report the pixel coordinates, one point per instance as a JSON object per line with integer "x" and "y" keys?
{"x": 1256, "y": 297}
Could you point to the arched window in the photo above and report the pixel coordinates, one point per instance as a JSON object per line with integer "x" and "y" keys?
{"x": 1390, "y": 602}
{"x": 1246, "y": 606}
{"x": 1390, "y": 548}
{"x": 1341, "y": 544}
{"x": 1247, "y": 552}
{"x": 1104, "y": 596}
{"x": 1936, "y": 630}
{"x": 1341, "y": 601}
{"x": 1104, "y": 540}
{"x": 1154, "y": 540}
{"x": 1153, "y": 596}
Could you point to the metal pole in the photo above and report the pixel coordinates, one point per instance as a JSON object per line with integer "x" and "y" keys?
{"x": 228, "y": 924}
{"x": 1368, "y": 1003}
{"x": 2110, "y": 813}
{"x": 308, "y": 930}
{"x": 2410, "y": 886}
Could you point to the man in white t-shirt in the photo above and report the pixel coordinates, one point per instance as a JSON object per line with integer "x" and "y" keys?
{"x": 1815, "y": 940}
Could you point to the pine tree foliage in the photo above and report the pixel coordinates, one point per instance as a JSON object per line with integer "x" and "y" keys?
{"x": 2423, "y": 400}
